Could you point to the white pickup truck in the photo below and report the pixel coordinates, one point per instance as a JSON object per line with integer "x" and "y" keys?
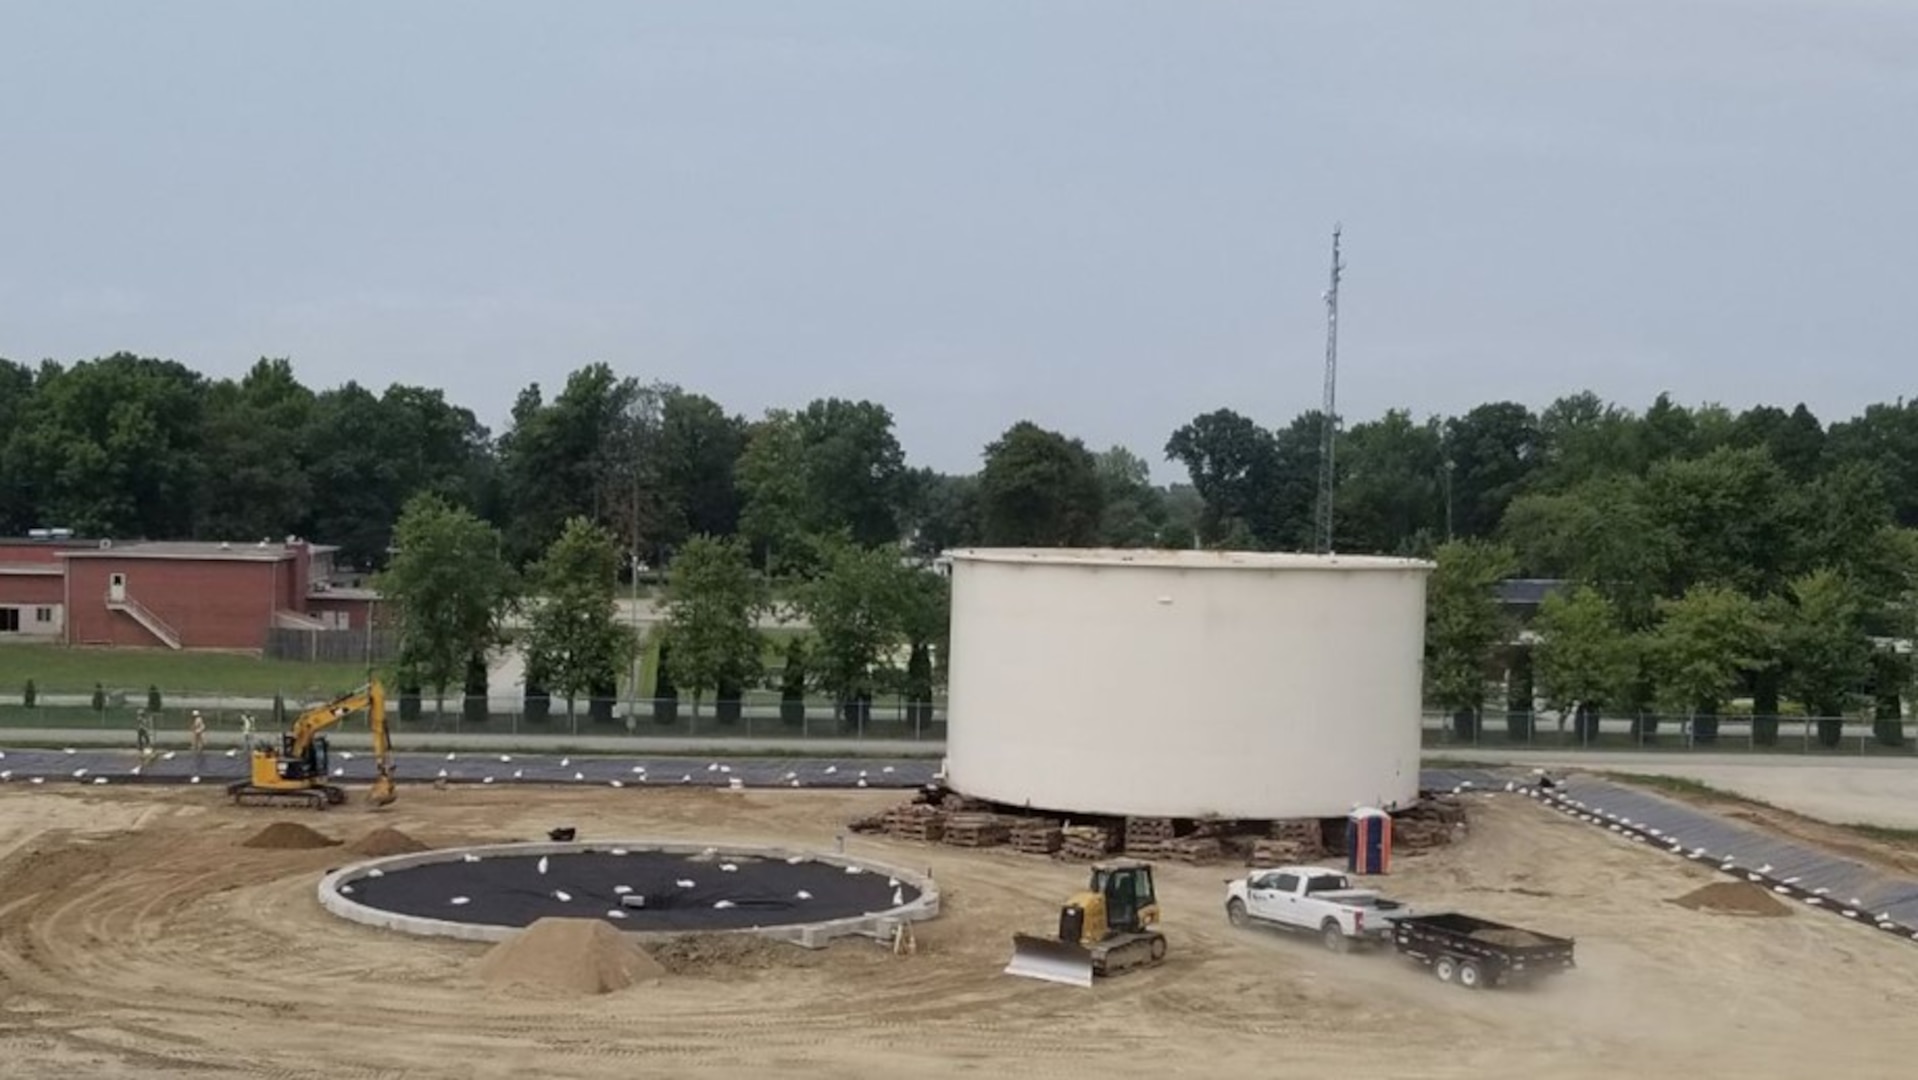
{"x": 1312, "y": 899}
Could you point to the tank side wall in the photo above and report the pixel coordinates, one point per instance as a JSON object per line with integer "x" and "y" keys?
{"x": 1181, "y": 692}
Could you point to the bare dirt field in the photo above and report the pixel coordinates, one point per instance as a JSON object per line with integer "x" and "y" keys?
{"x": 139, "y": 939}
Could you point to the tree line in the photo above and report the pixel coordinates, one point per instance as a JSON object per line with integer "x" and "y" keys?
{"x": 1659, "y": 513}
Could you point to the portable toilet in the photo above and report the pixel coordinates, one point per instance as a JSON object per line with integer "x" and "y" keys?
{"x": 1368, "y": 841}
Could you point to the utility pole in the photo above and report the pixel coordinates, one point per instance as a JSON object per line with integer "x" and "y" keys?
{"x": 1329, "y": 421}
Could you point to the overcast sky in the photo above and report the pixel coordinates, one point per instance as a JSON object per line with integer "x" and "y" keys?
{"x": 1102, "y": 216}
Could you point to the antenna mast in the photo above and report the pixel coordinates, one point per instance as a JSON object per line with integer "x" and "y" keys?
{"x": 1329, "y": 421}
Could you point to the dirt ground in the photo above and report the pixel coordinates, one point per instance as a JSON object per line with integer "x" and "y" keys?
{"x": 137, "y": 938}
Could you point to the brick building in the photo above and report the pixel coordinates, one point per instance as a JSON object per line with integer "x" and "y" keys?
{"x": 172, "y": 594}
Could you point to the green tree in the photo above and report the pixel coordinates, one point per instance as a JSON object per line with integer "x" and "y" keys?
{"x": 1464, "y": 626}
{"x": 1585, "y": 658}
{"x": 255, "y": 442}
{"x": 1234, "y": 467}
{"x": 941, "y": 512}
{"x": 1039, "y": 489}
{"x": 713, "y": 603}
{"x": 1706, "y": 642}
{"x": 771, "y": 477}
{"x": 1133, "y": 511}
{"x": 854, "y": 470}
{"x": 1732, "y": 516}
{"x": 1493, "y": 450}
{"x": 700, "y": 446}
{"x": 1827, "y": 653}
{"x": 1390, "y": 485}
{"x": 1600, "y": 533}
{"x": 574, "y": 636}
{"x": 447, "y": 591}
{"x": 855, "y": 607}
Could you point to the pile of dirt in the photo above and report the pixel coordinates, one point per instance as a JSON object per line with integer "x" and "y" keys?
{"x": 570, "y": 956}
{"x": 1510, "y": 939}
{"x": 386, "y": 841}
{"x": 1733, "y": 898}
{"x": 289, "y": 836}
{"x": 690, "y": 954}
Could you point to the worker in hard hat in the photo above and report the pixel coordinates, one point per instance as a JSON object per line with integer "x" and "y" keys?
{"x": 199, "y": 740}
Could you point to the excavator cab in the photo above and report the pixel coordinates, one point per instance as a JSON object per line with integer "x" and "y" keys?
{"x": 1106, "y": 930}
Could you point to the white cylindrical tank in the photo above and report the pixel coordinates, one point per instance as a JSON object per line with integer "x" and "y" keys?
{"x": 1185, "y": 683}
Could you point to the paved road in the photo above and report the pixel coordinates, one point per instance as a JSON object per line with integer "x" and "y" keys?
{"x": 93, "y": 766}
{"x": 506, "y": 743}
{"x": 1866, "y": 790}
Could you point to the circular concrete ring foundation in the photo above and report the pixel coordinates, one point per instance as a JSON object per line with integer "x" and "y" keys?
{"x": 491, "y": 892}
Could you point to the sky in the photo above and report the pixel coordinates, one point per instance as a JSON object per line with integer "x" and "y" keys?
{"x": 1102, "y": 216}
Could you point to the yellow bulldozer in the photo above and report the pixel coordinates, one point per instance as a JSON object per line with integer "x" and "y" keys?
{"x": 297, "y": 771}
{"x": 1106, "y": 930}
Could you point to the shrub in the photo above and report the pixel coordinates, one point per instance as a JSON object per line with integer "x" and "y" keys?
{"x": 153, "y": 699}
{"x": 599, "y": 706}
{"x": 473, "y": 708}
{"x": 665, "y": 694}
{"x": 729, "y": 704}
{"x": 99, "y": 697}
{"x": 792, "y": 684}
{"x": 30, "y": 695}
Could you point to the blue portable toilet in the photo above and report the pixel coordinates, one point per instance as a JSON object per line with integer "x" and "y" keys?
{"x": 1368, "y": 841}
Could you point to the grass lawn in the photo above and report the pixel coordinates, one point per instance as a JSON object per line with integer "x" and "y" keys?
{"x": 58, "y": 669}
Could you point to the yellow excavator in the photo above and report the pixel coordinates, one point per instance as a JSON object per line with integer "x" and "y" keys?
{"x": 297, "y": 770}
{"x": 1106, "y": 930}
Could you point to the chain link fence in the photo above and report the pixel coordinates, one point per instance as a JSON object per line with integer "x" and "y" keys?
{"x": 1838, "y": 736}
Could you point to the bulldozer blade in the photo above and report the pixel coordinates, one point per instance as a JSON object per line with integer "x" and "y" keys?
{"x": 1050, "y": 960}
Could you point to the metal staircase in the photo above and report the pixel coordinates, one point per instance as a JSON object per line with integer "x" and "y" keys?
{"x": 138, "y": 612}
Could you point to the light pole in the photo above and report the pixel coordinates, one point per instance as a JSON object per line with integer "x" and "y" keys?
{"x": 632, "y": 693}
{"x": 1450, "y": 465}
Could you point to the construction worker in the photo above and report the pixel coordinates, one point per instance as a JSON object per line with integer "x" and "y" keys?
{"x": 246, "y": 733}
{"x": 143, "y": 732}
{"x": 199, "y": 740}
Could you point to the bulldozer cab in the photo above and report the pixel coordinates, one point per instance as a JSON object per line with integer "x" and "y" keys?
{"x": 1127, "y": 890}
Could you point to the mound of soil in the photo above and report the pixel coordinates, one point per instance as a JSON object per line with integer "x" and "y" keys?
{"x": 569, "y": 956}
{"x": 386, "y": 841}
{"x": 289, "y": 836}
{"x": 695, "y": 954}
{"x": 1733, "y": 898}
{"x": 1510, "y": 939}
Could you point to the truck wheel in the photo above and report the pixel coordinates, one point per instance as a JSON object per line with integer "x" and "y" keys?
{"x": 1334, "y": 937}
{"x": 1235, "y": 913}
{"x": 1469, "y": 975}
{"x": 1445, "y": 968}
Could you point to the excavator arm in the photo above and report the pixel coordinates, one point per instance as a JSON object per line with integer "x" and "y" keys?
{"x": 371, "y": 698}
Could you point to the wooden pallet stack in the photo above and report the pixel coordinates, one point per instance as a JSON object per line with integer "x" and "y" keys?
{"x": 925, "y": 824}
{"x": 1197, "y": 850}
{"x": 974, "y": 830}
{"x": 1085, "y": 843}
{"x": 1294, "y": 840}
{"x": 1037, "y": 836}
{"x": 1149, "y": 837}
{"x": 1431, "y": 823}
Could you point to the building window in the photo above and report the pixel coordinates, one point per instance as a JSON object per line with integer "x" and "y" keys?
{"x": 9, "y": 620}
{"x": 43, "y": 615}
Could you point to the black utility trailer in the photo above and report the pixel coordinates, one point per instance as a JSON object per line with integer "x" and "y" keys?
{"x": 1475, "y": 953}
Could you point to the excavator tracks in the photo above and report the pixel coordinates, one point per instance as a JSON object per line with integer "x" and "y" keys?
{"x": 1134, "y": 952}
{"x": 315, "y": 798}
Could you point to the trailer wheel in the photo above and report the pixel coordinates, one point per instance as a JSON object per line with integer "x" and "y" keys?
{"x": 1469, "y": 975}
{"x": 1235, "y": 913}
{"x": 1445, "y": 968}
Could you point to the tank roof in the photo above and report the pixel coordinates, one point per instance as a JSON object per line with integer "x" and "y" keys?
{"x": 1186, "y": 560}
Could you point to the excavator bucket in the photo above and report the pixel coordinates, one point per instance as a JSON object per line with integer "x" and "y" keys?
{"x": 1050, "y": 960}
{"x": 383, "y": 791}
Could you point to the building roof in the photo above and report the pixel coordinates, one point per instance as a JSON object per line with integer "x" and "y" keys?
{"x": 1528, "y": 592}
{"x": 32, "y": 569}
{"x": 184, "y": 549}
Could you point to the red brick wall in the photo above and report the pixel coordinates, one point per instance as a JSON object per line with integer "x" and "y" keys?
{"x": 211, "y": 604}
{"x": 31, "y": 589}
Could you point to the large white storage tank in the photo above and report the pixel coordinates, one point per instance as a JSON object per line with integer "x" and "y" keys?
{"x": 1185, "y": 683}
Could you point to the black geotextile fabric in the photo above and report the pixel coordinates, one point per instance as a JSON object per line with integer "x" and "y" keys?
{"x": 681, "y": 892}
